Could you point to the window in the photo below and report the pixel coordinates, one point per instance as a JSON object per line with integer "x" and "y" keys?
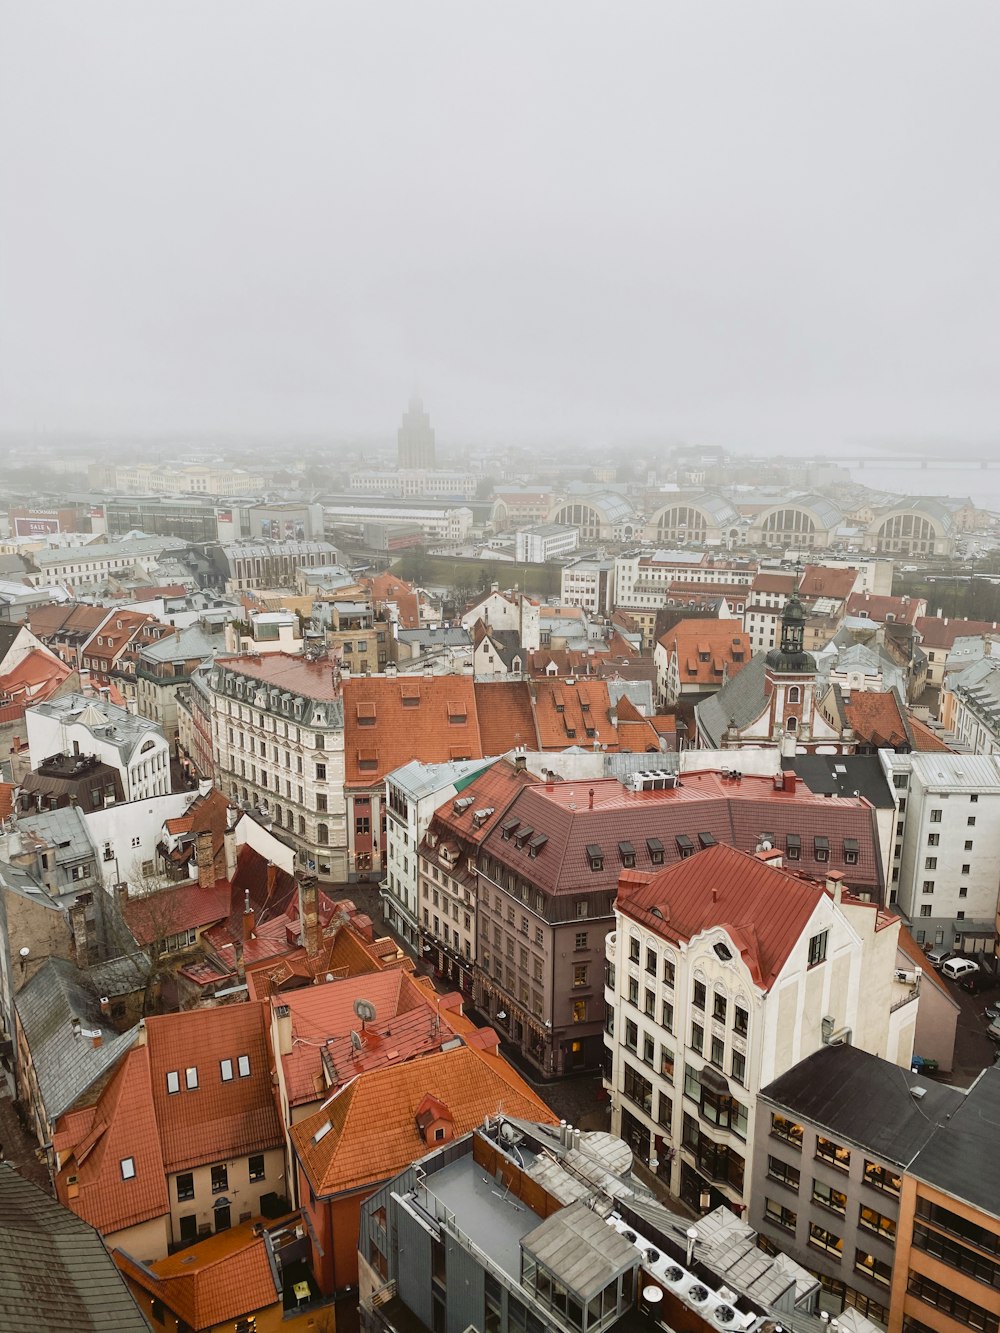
{"x": 925, "y": 909}
{"x": 927, "y": 886}
{"x": 821, "y": 1239}
{"x": 741, "y": 1021}
{"x": 698, "y": 999}
{"x": 827, "y": 1197}
{"x": 220, "y": 1178}
{"x": 581, "y": 974}
{"x": 579, "y": 1014}
{"x": 739, "y": 1068}
{"x": 787, "y": 1130}
{"x": 580, "y": 940}
{"x": 256, "y": 1165}
{"x": 631, "y": 1035}
{"x": 633, "y": 949}
{"x": 961, "y": 1309}
{"x": 935, "y": 816}
{"x": 783, "y": 1172}
{"x": 226, "y": 1070}
{"x": 669, "y": 972}
{"x": 878, "y": 1270}
{"x": 697, "y": 1037}
{"x": 933, "y": 839}
{"x": 717, "y": 1052}
{"x": 821, "y": 848}
{"x": 651, "y": 962}
{"x": 633, "y": 991}
{"x": 881, "y": 1178}
{"x": 971, "y": 821}
{"x": 648, "y": 1049}
{"x": 793, "y": 847}
{"x": 719, "y": 1007}
{"x": 781, "y": 1216}
{"x": 831, "y": 1152}
{"x": 667, "y": 1063}
{"x": 877, "y": 1223}
{"x": 930, "y": 863}
{"x": 321, "y": 772}
{"x": 817, "y": 948}
{"x": 243, "y": 1065}
{"x": 667, "y": 1016}
{"x": 173, "y": 1081}
{"x": 185, "y": 1186}
{"x": 191, "y": 1077}
{"x": 128, "y": 1168}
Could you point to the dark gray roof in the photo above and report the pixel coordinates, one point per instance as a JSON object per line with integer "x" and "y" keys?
{"x": 56, "y": 1275}
{"x": 66, "y": 1063}
{"x": 843, "y": 775}
{"x": 961, "y": 1156}
{"x": 865, "y": 1101}
{"x": 741, "y": 699}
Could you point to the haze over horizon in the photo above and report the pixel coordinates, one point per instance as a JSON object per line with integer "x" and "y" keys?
{"x": 770, "y": 225}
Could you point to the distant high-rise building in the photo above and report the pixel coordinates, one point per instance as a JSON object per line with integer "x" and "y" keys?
{"x": 415, "y": 438}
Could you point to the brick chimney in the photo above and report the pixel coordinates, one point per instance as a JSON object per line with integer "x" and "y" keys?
{"x": 229, "y": 841}
{"x": 248, "y": 918}
{"x": 283, "y": 1029}
{"x": 309, "y": 914}
{"x": 835, "y": 885}
{"x": 81, "y": 928}
{"x": 205, "y": 859}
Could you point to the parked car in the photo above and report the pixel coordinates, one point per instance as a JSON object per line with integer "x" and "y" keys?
{"x": 992, "y": 1011}
{"x": 921, "y": 1064}
{"x": 993, "y": 1031}
{"x": 978, "y": 983}
{"x": 957, "y": 968}
{"x": 939, "y": 955}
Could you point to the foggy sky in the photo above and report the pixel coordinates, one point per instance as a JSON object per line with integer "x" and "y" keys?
{"x": 745, "y": 222}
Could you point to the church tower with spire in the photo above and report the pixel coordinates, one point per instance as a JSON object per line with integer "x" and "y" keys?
{"x": 791, "y": 680}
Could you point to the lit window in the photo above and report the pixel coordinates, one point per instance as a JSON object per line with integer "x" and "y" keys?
{"x": 128, "y": 1168}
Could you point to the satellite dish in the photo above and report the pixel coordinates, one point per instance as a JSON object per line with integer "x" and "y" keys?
{"x": 356, "y": 1041}
{"x": 365, "y": 1010}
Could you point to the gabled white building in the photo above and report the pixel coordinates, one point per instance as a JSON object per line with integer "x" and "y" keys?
{"x": 79, "y": 725}
{"x": 724, "y": 971}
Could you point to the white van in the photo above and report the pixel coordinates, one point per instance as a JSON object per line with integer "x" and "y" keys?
{"x": 956, "y": 968}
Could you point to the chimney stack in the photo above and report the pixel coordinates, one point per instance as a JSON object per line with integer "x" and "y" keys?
{"x": 283, "y": 1028}
{"x": 229, "y": 841}
{"x": 590, "y": 799}
{"x": 309, "y": 914}
{"x": 80, "y": 927}
{"x": 248, "y": 918}
{"x": 835, "y": 885}
{"x": 205, "y": 859}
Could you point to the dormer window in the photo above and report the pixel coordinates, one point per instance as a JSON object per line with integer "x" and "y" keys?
{"x": 507, "y": 828}
{"x": 457, "y": 714}
{"x": 821, "y": 847}
{"x": 522, "y": 834}
{"x": 595, "y": 856}
{"x": 706, "y": 840}
{"x": 537, "y": 843}
{"x": 793, "y": 847}
{"x": 851, "y": 851}
{"x": 627, "y": 853}
{"x": 655, "y": 848}
{"x": 685, "y": 846}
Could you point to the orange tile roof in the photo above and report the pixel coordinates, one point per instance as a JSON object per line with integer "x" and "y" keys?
{"x": 387, "y": 587}
{"x": 506, "y": 717}
{"x": 217, "y": 1120}
{"x": 313, "y": 680}
{"x": 217, "y": 1281}
{"x": 780, "y": 583}
{"x": 471, "y": 1083}
{"x": 942, "y": 631}
{"x": 577, "y": 713}
{"x": 926, "y": 740}
{"x": 877, "y": 718}
{"x": 709, "y": 651}
{"x": 93, "y": 1142}
{"x": 432, "y": 716}
{"x": 827, "y": 581}
{"x": 879, "y": 609}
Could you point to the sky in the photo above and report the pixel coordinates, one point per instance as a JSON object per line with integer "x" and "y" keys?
{"x": 757, "y": 224}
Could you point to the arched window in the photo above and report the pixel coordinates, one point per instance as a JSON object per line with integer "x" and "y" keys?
{"x": 322, "y": 835}
{"x": 302, "y": 826}
{"x": 792, "y": 723}
{"x": 290, "y": 822}
{"x": 793, "y": 694}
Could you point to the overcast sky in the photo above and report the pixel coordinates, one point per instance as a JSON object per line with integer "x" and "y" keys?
{"x": 742, "y": 222}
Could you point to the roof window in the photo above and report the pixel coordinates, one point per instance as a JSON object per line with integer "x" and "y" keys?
{"x": 173, "y": 1081}
{"x": 226, "y": 1070}
{"x": 684, "y": 845}
{"x": 627, "y": 853}
{"x": 706, "y": 839}
{"x": 128, "y": 1168}
{"x": 655, "y": 848}
{"x": 821, "y": 847}
{"x": 595, "y": 856}
{"x": 191, "y": 1077}
{"x": 537, "y": 843}
{"x": 243, "y": 1065}
{"x": 507, "y": 828}
{"x": 793, "y": 846}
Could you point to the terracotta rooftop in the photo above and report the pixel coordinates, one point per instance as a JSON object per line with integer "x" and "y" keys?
{"x": 165, "y": 912}
{"x": 506, "y": 716}
{"x": 877, "y": 719}
{"x": 387, "y": 720}
{"x": 925, "y": 739}
{"x": 903, "y": 610}
{"x": 387, "y": 587}
{"x": 574, "y": 712}
{"x": 764, "y": 910}
{"x": 92, "y": 1143}
{"x": 776, "y": 583}
{"x": 219, "y": 1280}
{"x": 707, "y": 651}
{"x": 823, "y": 581}
{"x": 337, "y": 1149}
{"x": 218, "y": 1119}
{"x": 941, "y": 632}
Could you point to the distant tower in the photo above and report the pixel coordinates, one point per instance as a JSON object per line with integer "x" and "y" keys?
{"x": 415, "y": 438}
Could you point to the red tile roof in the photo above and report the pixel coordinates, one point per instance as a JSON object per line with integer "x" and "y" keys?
{"x": 219, "y": 1280}
{"x": 347, "y": 1156}
{"x": 778, "y": 583}
{"x": 903, "y": 610}
{"x": 941, "y": 632}
{"x": 165, "y": 912}
{"x": 506, "y": 716}
{"x": 764, "y": 910}
{"x": 734, "y": 813}
{"x": 217, "y": 1120}
{"x": 432, "y": 716}
{"x": 877, "y": 719}
{"x": 925, "y": 739}
{"x": 93, "y": 1142}
{"x": 824, "y": 581}
{"x": 313, "y": 680}
{"x": 387, "y": 587}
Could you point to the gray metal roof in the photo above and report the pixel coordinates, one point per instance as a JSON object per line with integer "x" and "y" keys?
{"x": 718, "y": 511}
{"x": 190, "y": 642}
{"x": 578, "y": 1247}
{"x": 57, "y": 1276}
{"x": 843, "y": 775}
{"x": 865, "y": 1101}
{"x": 66, "y": 1062}
{"x": 136, "y": 546}
{"x": 417, "y": 779}
{"x": 741, "y": 699}
{"x": 127, "y": 730}
{"x": 64, "y": 828}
